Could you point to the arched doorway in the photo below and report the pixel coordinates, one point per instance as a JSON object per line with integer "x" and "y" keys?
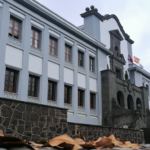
{"x": 120, "y": 98}
{"x": 130, "y": 103}
{"x": 138, "y": 102}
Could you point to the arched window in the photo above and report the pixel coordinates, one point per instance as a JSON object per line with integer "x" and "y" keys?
{"x": 130, "y": 103}
{"x": 116, "y": 50}
{"x": 120, "y": 98}
{"x": 138, "y": 102}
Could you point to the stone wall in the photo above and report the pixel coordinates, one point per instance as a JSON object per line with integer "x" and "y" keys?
{"x": 31, "y": 121}
{"x": 94, "y": 132}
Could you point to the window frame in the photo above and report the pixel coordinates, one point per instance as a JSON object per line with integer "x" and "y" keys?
{"x": 92, "y": 65}
{"x": 92, "y": 100}
{"x": 67, "y": 94}
{"x": 33, "y": 37}
{"x": 14, "y": 22}
{"x": 15, "y": 79}
{"x": 80, "y": 64}
{"x": 51, "y": 46}
{"x": 54, "y": 87}
{"x": 80, "y": 97}
{"x": 36, "y": 86}
{"x": 119, "y": 69}
{"x": 68, "y": 47}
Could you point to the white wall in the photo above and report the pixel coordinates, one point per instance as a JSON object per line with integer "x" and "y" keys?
{"x": 53, "y": 70}
{"x": 93, "y": 84}
{"x": 13, "y": 57}
{"x": 106, "y": 26}
{"x": 138, "y": 78}
{"x": 68, "y": 76}
{"x": 35, "y": 64}
{"x": 81, "y": 80}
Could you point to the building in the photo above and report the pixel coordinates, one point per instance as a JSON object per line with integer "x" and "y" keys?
{"x": 47, "y": 60}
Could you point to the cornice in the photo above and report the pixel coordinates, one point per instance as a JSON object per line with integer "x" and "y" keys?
{"x": 94, "y": 11}
{"x": 56, "y": 19}
{"x": 127, "y": 37}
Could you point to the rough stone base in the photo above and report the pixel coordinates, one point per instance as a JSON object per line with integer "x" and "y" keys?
{"x": 33, "y": 122}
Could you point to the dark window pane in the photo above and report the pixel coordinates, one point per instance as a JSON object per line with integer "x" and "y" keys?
{"x": 51, "y": 90}
{"x": 32, "y": 87}
{"x": 10, "y": 80}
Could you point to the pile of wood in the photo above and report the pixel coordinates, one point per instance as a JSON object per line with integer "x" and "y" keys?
{"x": 67, "y": 143}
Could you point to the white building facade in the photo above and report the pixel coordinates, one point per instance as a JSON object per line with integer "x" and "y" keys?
{"x": 45, "y": 59}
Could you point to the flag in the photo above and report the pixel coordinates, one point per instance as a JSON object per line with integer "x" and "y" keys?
{"x": 130, "y": 59}
{"x": 141, "y": 66}
{"x": 136, "y": 59}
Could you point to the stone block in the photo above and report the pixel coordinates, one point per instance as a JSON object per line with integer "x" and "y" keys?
{"x": 33, "y": 117}
{"x": 17, "y": 115}
{"x": 6, "y": 111}
{"x": 21, "y": 107}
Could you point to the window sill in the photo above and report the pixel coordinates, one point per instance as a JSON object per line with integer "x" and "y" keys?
{"x": 68, "y": 106}
{"x": 53, "y": 55}
{"x": 93, "y": 112}
{"x": 33, "y": 99}
{"x": 68, "y": 61}
{"x": 36, "y": 48}
{"x": 10, "y": 95}
{"x": 14, "y": 38}
{"x": 51, "y": 103}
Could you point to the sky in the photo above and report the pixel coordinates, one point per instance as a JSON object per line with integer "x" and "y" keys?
{"x": 133, "y": 15}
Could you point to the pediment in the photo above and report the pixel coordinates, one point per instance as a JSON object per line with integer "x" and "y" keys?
{"x": 117, "y": 34}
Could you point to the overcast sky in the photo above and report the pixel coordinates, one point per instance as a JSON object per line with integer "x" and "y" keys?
{"x": 134, "y": 16}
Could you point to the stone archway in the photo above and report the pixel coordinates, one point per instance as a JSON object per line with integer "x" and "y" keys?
{"x": 138, "y": 102}
{"x": 120, "y": 98}
{"x": 130, "y": 102}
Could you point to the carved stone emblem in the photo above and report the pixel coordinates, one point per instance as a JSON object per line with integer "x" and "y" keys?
{"x": 129, "y": 86}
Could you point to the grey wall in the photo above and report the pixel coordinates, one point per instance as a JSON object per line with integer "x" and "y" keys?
{"x": 92, "y": 26}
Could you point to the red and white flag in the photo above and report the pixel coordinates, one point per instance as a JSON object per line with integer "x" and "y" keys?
{"x": 130, "y": 59}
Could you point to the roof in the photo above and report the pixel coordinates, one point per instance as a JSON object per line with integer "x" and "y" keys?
{"x": 94, "y": 11}
{"x": 51, "y": 16}
{"x": 138, "y": 69}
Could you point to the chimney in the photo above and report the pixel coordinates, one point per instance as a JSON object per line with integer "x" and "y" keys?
{"x": 92, "y": 21}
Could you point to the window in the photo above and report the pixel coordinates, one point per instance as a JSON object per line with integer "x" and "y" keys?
{"x": 67, "y": 94}
{"x": 14, "y": 28}
{"x": 91, "y": 64}
{"x": 33, "y": 86}
{"x": 80, "y": 98}
{"x": 35, "y": 38}
{"x": 11, "y": 80}
{"x": 51, "y": 91}
{"x": 67, "y": 53}
{"x": 118, "y": 73}
{"x": 80, "y": 58}
{"x": 92, "y": 100}
{"x": 53, "y": 46}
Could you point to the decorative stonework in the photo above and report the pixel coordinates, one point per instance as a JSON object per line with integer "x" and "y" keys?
{"x": 93, "y": 112}
{"x": 52, "y": 57}
{"x": 10, "y": 95}
{"x": 69, "y": 107}
{"x": 33, "y": 99}
{"x": 93, "y": 74}
{"x": 81, "y": 110}
{"x": 14, "y": 41}
{"x": 52, "y": 103}
{"x": 68, "y": 64}
{"x": 81, "y": 69}
{"x": 36, "y": 51}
